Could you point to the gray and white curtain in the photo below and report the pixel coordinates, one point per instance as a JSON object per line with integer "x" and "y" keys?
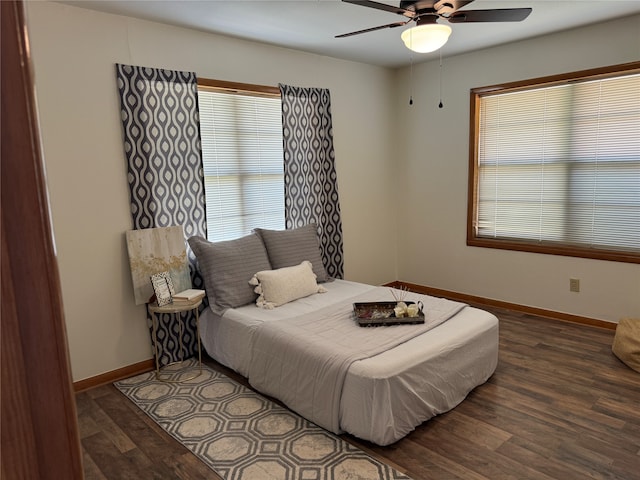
{"x": 161, "y": 130}
{"x": 311, "y": 187}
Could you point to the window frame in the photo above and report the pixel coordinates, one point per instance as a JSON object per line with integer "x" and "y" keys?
{"x": 238, "y": 88}
{"x": 472, "y": 196}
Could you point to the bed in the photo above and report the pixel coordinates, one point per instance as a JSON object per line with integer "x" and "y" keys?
{"x": 380, "y": 393}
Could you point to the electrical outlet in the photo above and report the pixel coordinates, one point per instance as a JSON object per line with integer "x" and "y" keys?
{"x": 574, "y": 285}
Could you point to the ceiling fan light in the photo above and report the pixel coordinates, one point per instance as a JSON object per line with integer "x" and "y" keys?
{"x": 426, "y": 38}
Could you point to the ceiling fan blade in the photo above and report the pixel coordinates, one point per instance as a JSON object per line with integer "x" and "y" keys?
{"x": 373, "y": 29}
{"x": 447, "y": 7}
{"x": 382, "y": 6}
{"x": 497, "y": 15}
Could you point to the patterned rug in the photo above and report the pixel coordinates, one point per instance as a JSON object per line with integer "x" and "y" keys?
{"x": 244, "y": 436}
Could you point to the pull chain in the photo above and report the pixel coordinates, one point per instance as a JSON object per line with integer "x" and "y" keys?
{"x": 411, "y": 81}
{"x": 440, "y": 105}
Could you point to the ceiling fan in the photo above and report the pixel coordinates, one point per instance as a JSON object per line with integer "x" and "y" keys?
{"x": 428, "y": 35}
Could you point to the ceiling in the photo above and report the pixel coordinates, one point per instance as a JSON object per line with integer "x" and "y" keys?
{"x": 311, "y": 25}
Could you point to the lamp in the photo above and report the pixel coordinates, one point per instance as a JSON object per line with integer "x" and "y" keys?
{"x": 427, "y": 36}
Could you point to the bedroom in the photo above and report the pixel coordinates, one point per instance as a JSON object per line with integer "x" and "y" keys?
{"x": 74, "y": 52}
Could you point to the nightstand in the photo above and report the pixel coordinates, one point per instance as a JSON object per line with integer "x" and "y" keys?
{"x": 175, "y": 309}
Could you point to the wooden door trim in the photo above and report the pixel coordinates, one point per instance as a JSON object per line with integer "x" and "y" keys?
{"x": 39, "y": 428}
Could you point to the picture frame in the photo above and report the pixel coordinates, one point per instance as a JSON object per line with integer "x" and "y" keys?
{"x": 163, "y": 288}
{"x": 153, "y": 250}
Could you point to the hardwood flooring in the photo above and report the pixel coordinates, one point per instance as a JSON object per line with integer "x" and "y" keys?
{"x": 559, "y": 406}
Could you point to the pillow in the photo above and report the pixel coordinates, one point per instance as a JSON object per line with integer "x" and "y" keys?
{"x": 626, "y": 342}
{"x": 277, "y": 287}
{"x": 226, "y": 268}
{"x": 287, "y": 248}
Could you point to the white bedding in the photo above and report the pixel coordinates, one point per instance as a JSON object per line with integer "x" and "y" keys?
{"x": 386, "y": 396}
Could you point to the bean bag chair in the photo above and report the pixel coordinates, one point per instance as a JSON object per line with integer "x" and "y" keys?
{"x": 626, "y": 342}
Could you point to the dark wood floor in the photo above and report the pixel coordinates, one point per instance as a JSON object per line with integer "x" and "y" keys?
{"x": 559, "y": 406}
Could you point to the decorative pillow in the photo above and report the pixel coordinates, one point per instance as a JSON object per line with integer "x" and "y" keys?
{"x": 287, "y": 248}
{"x": 626, "y": 342}
{"x": 226, "y": 268}
{"x": 277, "y": 287}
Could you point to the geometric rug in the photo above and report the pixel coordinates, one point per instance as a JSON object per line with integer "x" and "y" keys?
{"x": 243, "y": 436}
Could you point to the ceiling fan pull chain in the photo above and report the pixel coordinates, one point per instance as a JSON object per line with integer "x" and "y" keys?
{"x": 440, "y": 105}
{"x": 411, "y": 81}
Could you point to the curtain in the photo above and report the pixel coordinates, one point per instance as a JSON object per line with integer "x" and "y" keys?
{"x": 161, "y": 130}
{"x": 311, "y": 188}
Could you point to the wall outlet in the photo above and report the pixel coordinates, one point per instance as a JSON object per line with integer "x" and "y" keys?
{"x": 574, "y": 285}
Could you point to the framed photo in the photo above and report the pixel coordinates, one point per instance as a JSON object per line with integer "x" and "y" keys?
{"x": 163, "y": 288}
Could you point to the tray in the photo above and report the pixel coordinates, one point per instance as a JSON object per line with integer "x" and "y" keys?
{"x": 377, "y": 314}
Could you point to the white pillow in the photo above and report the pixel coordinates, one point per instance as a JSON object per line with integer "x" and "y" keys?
{"x": 277, "y": 287}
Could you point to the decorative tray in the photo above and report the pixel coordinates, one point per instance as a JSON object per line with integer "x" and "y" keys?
{"x": 374, "y": 314}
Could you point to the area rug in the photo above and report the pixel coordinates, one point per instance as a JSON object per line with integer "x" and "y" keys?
{"x": 242, "y": 435}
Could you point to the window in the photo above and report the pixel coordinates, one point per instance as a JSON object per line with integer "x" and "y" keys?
{"x": 241, "y": 132}
{"x": 555, "y": 165}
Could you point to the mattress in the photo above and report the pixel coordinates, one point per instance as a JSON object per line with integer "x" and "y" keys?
{"x": 386, "y": 396}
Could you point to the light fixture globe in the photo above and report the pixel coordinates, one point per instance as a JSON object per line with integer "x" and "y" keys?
{"x": 426, "y": 38}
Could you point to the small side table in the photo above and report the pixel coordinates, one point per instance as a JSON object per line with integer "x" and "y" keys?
{"x": 175, "y": 309}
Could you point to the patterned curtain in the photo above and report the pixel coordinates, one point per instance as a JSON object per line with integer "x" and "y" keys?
{"x": 311, "y": 188}
{"x": 161, "y": 130}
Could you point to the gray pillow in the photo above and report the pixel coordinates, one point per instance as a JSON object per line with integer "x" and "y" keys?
{"x": 287, "y": 248}
{"x": 227, "y": 267}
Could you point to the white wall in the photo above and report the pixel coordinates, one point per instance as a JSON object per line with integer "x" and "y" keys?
{"x": 74, "y": 52}
{"x": 436, "y": 153}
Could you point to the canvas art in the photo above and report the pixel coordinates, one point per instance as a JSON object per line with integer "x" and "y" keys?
{"x": 155, "y": 250}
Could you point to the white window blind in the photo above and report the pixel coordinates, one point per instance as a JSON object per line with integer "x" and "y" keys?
{"x": 561, "y": 165}
{"x": 243, "y": 163}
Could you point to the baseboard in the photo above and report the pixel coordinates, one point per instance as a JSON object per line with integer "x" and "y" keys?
{"x": 463, "y": 297}
{"x": 114, "y": 375}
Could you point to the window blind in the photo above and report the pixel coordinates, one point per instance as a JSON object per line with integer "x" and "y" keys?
{"x": 560, "y": 164}
{"x": 243, "y": 163}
